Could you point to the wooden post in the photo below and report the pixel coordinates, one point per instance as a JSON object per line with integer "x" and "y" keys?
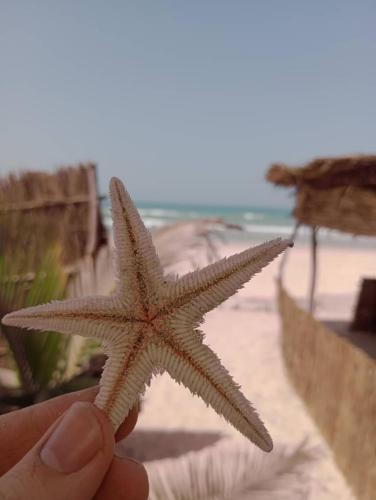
{"x": 287, "y": 251}
{"x": 314, "y": 269}
{"x": 91, "y": 243}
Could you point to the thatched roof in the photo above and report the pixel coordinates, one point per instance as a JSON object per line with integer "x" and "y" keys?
{"x": 38, "y": 209}
{"x": 326, "y": 173}
{"x": 337, "y": 193}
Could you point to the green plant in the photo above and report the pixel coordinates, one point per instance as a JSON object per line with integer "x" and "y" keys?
{"x": 40, "y": 359}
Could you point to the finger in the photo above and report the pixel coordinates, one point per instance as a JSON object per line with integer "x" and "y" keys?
{"x": 70, "y": 461}
{"x": 129, "y": 424}
{"x": 126, "y": 479}
{"x": 21, "y": 429}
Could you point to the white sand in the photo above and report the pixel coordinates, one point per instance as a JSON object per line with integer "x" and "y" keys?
{"x": 245, "y": 334}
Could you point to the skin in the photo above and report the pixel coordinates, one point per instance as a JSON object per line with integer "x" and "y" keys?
{"x": 24, "y": 432}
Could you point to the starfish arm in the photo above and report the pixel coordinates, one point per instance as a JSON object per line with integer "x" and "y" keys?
{"x": 97, "y": 317}
{"x": 126, "y": 373}
{"x": 202, "y": 290}
{"x": 139, "y": 272}
{"x": 194, "y": 364}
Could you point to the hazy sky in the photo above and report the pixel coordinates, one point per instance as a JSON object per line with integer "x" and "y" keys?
{"x": 186, "y": 100}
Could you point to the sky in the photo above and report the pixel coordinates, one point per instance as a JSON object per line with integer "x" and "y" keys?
{"x": 186, "y": 101}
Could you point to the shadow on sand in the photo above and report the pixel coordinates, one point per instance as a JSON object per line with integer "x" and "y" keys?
{"x": 155, "y": 445}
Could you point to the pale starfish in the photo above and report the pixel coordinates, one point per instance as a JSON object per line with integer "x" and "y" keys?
{"x": 149, "y": 324}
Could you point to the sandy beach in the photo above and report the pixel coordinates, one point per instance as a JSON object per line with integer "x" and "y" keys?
{"x": 245, "y": 333}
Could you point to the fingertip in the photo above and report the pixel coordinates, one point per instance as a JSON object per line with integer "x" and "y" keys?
{"x": 107, "y": 430}
{"x": 126, "y": 479}
{"x": 129, "y": 423}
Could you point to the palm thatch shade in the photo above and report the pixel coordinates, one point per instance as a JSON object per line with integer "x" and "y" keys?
{"x": 337, "y": 193}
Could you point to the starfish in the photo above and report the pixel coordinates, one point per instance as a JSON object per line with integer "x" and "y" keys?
{"x": 150, "y": 323}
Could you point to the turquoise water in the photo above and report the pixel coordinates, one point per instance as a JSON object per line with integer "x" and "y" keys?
{"x": 252, "y": 221}
{"x": 255, "y": 223}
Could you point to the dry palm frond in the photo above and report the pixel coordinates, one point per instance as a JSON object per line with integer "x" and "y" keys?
{"x": 233, "y": 470}
{"x": 181, "y": 241}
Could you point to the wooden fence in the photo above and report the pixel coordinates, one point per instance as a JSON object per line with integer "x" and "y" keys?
{"x": 337, "y": 381}
{"x": 38, "y": 209}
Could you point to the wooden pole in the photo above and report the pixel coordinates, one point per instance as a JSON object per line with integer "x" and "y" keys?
{"x": 91, "y": 242}
{"x": 42, "y": 204}
{"x": 287, "y": 251}
{"x": 314, "y": 269}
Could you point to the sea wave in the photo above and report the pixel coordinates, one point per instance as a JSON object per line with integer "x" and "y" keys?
{"x": 107, "y": 220}
{"x": 252, "y": 216}
{"x": 160, "y": 212}
{"x": 151, "y": 222}
{"x": 268, "y": 229}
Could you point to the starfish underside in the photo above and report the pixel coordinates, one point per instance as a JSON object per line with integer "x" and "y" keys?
{"x": 150, "y": 323}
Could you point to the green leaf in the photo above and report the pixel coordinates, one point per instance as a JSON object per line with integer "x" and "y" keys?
{"x": 39, "y": 354}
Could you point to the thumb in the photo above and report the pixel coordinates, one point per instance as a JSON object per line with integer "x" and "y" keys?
{"x": 69, "y": 461}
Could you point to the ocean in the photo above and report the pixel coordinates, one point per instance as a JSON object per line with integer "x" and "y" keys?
{"x": 254, "y": 224}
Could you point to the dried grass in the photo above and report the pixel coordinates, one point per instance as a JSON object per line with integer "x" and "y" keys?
{"x": 327, "y": 173}
{"x": 348, "y": 209}
{"x": 338, "y": 383}
{"x": 38, "y": 209}
{"x": 338, "y": 193}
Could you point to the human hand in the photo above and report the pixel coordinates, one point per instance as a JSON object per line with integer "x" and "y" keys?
{"x": 63, "y": 449}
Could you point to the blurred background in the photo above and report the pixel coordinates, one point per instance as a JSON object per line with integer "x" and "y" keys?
{"x": 189, "y": 104}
